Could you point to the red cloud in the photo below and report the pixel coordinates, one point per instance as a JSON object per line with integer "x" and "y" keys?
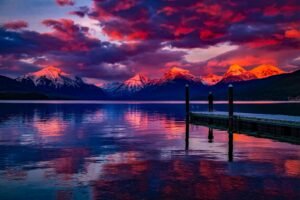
{"x": 249, "y": 57}
{"x": 263, "y": 42}
{"x": 177, "y": 23}
{"x": 65, "y": 29}
{"x": 168, "y": 10}
{"x": 292, "y": 33}
{"x": 124, "y": 5}
{"x": 213, "y": 10}
{"x": 286, "y": 10}
{"x": 271, "y": 11}
{"x": 65, "y": 2}
{"x": 237, "y": 18}
{"x": 182, "y": 30}
{"x": 15, "y": 25}
{"x": 138, "y": 35}
{"x": 207, "y": 34}
{"x": 76, "y": 37}
{"x": 115, "y": 34}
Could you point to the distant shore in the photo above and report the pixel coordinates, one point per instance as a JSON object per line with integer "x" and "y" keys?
{"x": 142, "y": 102}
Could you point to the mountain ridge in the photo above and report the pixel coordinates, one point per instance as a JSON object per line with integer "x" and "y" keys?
{"x": 140, "y": 87}
{"x": 57, "y": 84}
{"x": 266, "y": 70}
{"x": 52, "y": 77}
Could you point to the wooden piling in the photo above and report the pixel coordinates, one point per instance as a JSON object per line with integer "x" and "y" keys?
{"x": 230, "y": 123}
{"x": 230, "y": 146}
{"x": 187, "y": 116}
{"x": 230, "y": 107}
{"x": 210, "y": 135}
{"x": 187, "y": 100}
{"x": 210, "y": 102}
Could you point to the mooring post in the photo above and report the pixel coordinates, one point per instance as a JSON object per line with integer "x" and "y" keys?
{"x": 187, "y": 100}
{"x": 230, "y": 107}
{"x": 210, "y": 102}
{"x": 230, "y": 123}
{"x": 187, "y": 116}
{"x": 230, "y": 146}
{"x": 210, "y": 135}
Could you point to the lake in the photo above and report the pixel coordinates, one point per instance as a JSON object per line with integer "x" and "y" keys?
{"x": 136, "y": 150}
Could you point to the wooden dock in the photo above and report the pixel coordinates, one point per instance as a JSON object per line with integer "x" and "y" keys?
{"x": 282, "y": 127}
{"x": 275, "y": 126}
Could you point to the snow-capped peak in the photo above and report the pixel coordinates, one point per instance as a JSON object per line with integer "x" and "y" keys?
{"x": 210, "y": 79}
{"x": 51, "y": 76}
{"x": 136, "y": 81}
{"x": 235, "y": 70}
{"x": 134, "y": 84}
{"x": 176, "y": 72}
{"x": 266, "y": 70}
{"x": 49, "y": 72}
{"x": 237, "y": 73}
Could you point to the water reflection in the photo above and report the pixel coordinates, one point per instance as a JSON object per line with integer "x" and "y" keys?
{"x": 230, "y": 146}
{"x": 135, "y": 152}
{"x": 210, "y": 135}
{"x": 50, "y": 128}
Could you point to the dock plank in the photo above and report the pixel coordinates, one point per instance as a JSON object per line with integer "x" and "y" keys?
{"x": 284, "y": 120}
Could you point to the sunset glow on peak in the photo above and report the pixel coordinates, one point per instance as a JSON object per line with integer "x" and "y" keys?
{"x": 137, "y": 80}
{"x": 211, "y": 79}
{"x": 266, "y": 70}
{"x": 235, "y": 70}
{"x": 176, "y": 72}
{"x": 50, "y": 72}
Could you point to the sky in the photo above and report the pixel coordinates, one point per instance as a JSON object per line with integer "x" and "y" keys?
{"x": 111, "y": 40}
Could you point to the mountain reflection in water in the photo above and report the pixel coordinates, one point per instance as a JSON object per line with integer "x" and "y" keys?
{"x": 136, "y": 151}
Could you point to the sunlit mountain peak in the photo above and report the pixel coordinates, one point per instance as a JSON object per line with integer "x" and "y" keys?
{"x": 211, "y": 79}
{"x": 49, "y": 72}
{"x": 237, "y": 73}
{"x": 51, "y": 76}
{"x": 137, "y": 81}
{"x": 176, "y": 72}
{"x": 134, "y": 84}
{"x": 235, "y": 70}
{"x": 266, "y": 70}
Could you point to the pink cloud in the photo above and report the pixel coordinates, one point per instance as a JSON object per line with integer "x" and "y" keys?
{"x": 15, "y": 25}
{"x": 65, "y": 2}
{"x": 249, "y": 57}
{"x": 292, "y": 33}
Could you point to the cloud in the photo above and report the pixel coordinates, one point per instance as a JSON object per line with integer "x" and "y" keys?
{"x": 81, "y": 11}
{"x": 197, "y": 55}
{"x": 292, "y": 33}
{"x": 15, "y": 25}
{"x": 150, "y": 36}
{"x": 71, "y": 47}
{"x": 249, "y": 57}
{"x": 65, "y": 2}
{"x": 192, "y": 23}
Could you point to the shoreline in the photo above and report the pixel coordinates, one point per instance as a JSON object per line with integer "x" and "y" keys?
{"x": 139, "y": 102}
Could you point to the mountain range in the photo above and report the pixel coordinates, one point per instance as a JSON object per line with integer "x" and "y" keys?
{"x": 262, "y": 82}
{"x": 235, "y": 73}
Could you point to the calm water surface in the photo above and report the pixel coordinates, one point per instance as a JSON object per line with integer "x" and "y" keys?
{"x": 137, "y": 151}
